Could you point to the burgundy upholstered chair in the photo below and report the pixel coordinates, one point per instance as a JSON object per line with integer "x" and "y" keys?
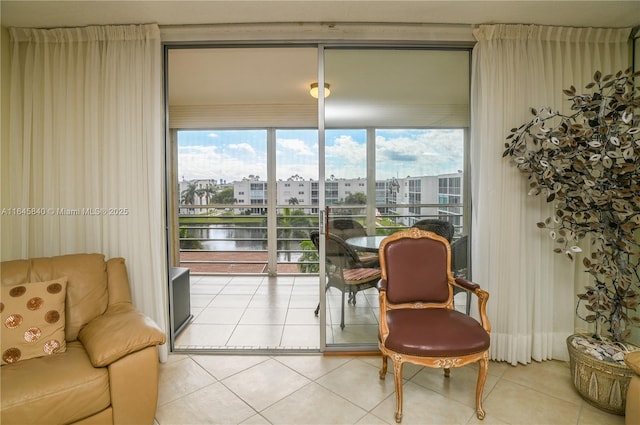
{"x": 418, "y": 322}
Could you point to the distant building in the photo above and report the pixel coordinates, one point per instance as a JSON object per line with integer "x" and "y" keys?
{"x": 398, "y": 194}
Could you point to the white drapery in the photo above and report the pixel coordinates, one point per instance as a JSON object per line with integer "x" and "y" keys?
{"x": 516, "y": 67}
{"x": 86, "y": 154}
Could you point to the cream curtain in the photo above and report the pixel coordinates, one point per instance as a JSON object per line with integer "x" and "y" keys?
{"x": 516, "y": 67}
{"x": 86, "y": 151}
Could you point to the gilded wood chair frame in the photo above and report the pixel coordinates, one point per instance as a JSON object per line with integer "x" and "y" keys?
{"x": 445, "y": 362}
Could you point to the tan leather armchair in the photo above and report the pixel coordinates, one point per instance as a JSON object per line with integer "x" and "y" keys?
{"x": 632, "y": 409}
{"x": 418, "y": 322}
{"x": 109, "y": 370}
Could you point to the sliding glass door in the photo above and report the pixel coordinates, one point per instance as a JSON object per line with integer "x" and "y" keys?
{"x": 259, "y": 165}
{"x": 396, "y": 136}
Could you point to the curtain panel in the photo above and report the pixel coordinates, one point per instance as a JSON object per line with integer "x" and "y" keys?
{"x": 514, "y": 68}
{"x": 86, "y": 154}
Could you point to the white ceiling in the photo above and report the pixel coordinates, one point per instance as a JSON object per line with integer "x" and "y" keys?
{"x": 271, "y": 76}
{"x": 31, "y": 13}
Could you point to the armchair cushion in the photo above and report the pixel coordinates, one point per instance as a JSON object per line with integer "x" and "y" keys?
{"x": 118, "y": 332}
{"x": 450, "y": 333}
{"x": 33, "y": 319}
{"x": 64, "y": 388}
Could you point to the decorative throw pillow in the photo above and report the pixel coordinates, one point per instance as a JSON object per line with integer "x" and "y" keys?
{"x": 32, "y": 320}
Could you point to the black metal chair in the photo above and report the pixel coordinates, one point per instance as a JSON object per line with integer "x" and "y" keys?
{"x": 460, "y": 264}
{"x": 346, "y": 228}
{"x": 345, "y": 271}
{"x": 443, "y": 228}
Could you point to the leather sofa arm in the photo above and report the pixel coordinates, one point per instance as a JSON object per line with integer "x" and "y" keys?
{"x": 121, "y": 330}
{"x": 633, "y": 361}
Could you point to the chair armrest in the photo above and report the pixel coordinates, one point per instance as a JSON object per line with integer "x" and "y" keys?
{"x": 466, "y": 284}
{"x": 120, "y": 331}
{"x": 483, "y": 297}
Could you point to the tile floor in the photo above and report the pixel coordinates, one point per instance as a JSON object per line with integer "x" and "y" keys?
{"x": 241, "y": 315}
{"x": 262, "y": 313}
{"x": 316, "y": 389}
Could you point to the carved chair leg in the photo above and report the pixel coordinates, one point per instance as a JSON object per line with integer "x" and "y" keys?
{"x": 383, "y": 370}
{"x": 447, "y": 372}
{"x": 397, "y": 379}
{"x": 482, "y": 378}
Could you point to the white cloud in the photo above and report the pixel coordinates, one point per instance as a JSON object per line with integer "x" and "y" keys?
{"x": 242, "y": 147}
{"x": 299, "y": 147}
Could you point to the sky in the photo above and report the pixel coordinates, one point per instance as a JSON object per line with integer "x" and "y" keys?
{"x": 233, "y": 154}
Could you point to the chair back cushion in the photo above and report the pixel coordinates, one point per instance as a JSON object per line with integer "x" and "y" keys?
{"x": 86, "y": 274}
{"x": 415, "y": 268}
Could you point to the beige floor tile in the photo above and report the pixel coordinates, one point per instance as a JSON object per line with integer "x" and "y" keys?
{"x": 178, "y": 378}
{"x": 265, "y": 384}
{"x": 200, "y": 300}
{"x": 231, "y": 301}
{"x": 460, "y": 386}
{"x": 204, "y": 335}
{"x": 359, "y": 382}
{"x": 306, "y": 289}
{"x": 353, "y": 315}
{"x": 256, "y": 420}
{"x": 550, "y": 377}
{"x": 224, "y": 366}
{"x": 355, "y": 334}
{"x": 303, "y": 336}
{"x": 218, "y": 316}
{"x": 302, "y": 316}
{"x": 423, "y": 406}
{"x": 515, "y": 403}
{"x": 214, "y": 404}
{"x": 313, "y": 366}
{"x": 264, "y": 316}
{"x": 274, "y": 289}
{"x": 590, "y": 415}
{"x": 370, "y": 419}
{"x": 215, "y": 280}
{"x": 269, "y": 301}
{"x": 206, "y": 289}
{"x": 313, "y": 404}
{"x": 256, "y": 336}
{"x": 304, "y": 301}
{"x": 239, "y": 289}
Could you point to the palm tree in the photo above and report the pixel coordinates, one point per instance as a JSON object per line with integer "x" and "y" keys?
{"x": 293, "y": 201}
{"x": 292, "y": 225}
{"x": 189, "y": 194}
{"x": 209, "y": 193}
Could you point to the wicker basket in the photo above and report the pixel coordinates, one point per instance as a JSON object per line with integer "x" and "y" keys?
{"x": 602, "y": 384}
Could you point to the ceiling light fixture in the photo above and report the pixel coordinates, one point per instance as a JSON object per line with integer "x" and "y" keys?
{"x": 314, "y": 90}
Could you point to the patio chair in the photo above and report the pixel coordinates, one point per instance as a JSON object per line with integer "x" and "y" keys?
{"x": 443, "y": 228}
{"x": 459, "y": 265}
{"x": 346, "y": 228}
{"x": 345, "y": 271}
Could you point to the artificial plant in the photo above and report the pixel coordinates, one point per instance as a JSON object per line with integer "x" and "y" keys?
{"x": 587, "y": 163}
